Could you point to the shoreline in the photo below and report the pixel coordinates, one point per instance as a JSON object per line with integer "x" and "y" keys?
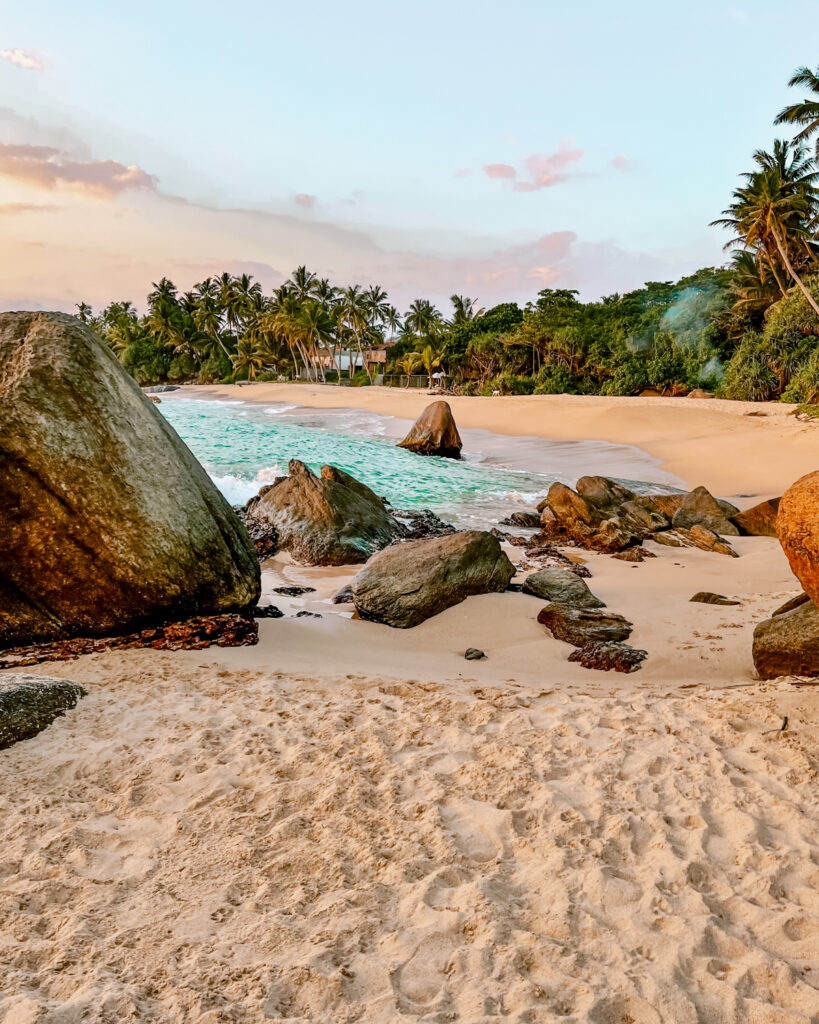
{"x": 760, "y": 448}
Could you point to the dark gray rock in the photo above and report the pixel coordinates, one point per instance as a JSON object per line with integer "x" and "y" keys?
{"x": 344, "y": 596}
{"x": 29, "y": 704}
{"x": 562, "y": 586}
{"x": 608, "y": 657}
{"x": 788, "y": 644}
{"x": 579, "y": 626}
{"x": 294, "y": 591}
{"x": 473, "y": 654}
{"x": 321, "y": 520}
{"x": 107, "y": 521}
{"x": 408, "y": 583}
{"x": 706, "y": 597}
{"x": 700, "y": 508}
{"x": 528, "y": 520}
{"x": 267, "y": 611}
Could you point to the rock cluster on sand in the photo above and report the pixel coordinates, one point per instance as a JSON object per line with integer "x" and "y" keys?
{"x": 788, "y": 642}
{"x": 603, "y": 515}
{"x": 107, "y": 521}
{"x": 332, "y": 519}
{"x": 408, "y": 583}
{"x": 434, "y": 433}
{"x": 29, "y": 704}
{"x": 192, "y": 634}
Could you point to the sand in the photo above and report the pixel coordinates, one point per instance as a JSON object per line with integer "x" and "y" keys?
{"x": 352, "y": 823}
{"x": 756, "y": 448}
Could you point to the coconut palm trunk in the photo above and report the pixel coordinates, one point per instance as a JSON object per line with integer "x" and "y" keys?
{"x": 799, "y": 282}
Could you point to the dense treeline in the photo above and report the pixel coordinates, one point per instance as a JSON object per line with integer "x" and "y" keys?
{"x": 748, "y": 330}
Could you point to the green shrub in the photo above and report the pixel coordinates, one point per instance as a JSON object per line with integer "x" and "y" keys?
{"x": 555, "y": 380}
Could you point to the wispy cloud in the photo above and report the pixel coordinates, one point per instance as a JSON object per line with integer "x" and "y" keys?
{"x": 12, "y": 209}
{"x": 500, "y": 171}
{"x": 621, "y": 163}
{"x": 305, "y": 199}
{"x": 22, "y": 59}
{"x": 49, "y": 168}
{"x": 539, "y": 170}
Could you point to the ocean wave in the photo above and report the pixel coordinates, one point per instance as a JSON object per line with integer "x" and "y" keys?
{"x": 278, "y": 410}
{"x": 239, "y": 489}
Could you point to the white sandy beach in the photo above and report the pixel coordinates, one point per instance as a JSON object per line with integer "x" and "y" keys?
{"x": 352, "y": 823}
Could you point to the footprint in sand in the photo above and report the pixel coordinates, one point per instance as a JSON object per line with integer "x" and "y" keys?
{"x": 420, "y": 979}
{"x": 470, "y": 838}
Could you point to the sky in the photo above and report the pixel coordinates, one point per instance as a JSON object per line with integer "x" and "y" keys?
{"x": 481, "y": 148}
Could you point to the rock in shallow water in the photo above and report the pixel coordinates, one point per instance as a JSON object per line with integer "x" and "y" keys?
{"x": 321, "y": 520}
{"x": 434, "y": 433}
{"x": 107, "y": 520}
{"x": 29, "y": 704}
{"x": 411, "y": 582}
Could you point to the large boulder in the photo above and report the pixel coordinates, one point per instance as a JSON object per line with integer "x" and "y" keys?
{"x": 759, "y": 521}
{"x": 29, "y": 704}
{"x": 107, "y": 521}
{"x": 798, "y": 528}
{"x": 700, "y": 508}
{"x": 411, "y": 582}
{"x": 434, "y": 433}
{"x": 563, "y": 586}
{"x": 322, "y": 520}
{"x": 787, "y": 644}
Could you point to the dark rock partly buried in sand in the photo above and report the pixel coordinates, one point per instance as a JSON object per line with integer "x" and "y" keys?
{"x": 434, "y": 433}
{"x": 411, "y": 582}
{"x": 706, "y": 597}
{"x": 29, "y": 704}
{"x": 322, "y": 520}
{"x": 700, "y": 508}
{"x": 788, "y": 643}
{"x": 562, "y": 586}
{"x": 474, "y": 654}
{"x": 759, "y": 521}
{"x": 580, "y": 626}
{"x": 107, "y": 522}
{"x": 267, "y": 611}
{"x": 798, "y": 528}
{"x": 608, "y": 657}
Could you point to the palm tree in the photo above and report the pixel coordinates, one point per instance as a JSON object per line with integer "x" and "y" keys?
{"x": 303, "y": 282}
{"x": 248, "y": 357}
{"x": 805, "y": 113}
{"x": 463, "y": 309}
{"x": 752, "y": 285}
{"x": 84, "y": 311}
{"x": 354, "y": 316}
{"x": 771, "y": 213}
{"x": 315, "y": 330}
{"x": 431, "y": 360}
{"x": 422, "y": 319}
{"x": 409, "y": 364}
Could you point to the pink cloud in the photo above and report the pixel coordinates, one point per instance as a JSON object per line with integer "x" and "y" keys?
{"x": 621, "y": 163}
{"x": 19, "y": 58}
{"x": 48, "y": 168}
{"x": 305, "y": 199}
{"x": 541, "y": 170}
{"x": 500, "y": 171}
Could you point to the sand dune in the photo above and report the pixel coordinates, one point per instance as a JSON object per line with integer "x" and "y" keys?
{"x": 221, "y": 845}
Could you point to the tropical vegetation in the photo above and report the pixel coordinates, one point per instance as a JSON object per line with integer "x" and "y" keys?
{"x": 746, "y": 330}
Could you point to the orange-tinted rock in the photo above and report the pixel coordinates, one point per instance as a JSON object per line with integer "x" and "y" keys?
{"x": 798, "y": 529}
{"x": 434, "y": 433}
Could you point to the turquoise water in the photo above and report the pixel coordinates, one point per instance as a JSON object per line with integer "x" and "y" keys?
{"x": 244, "y": 446}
